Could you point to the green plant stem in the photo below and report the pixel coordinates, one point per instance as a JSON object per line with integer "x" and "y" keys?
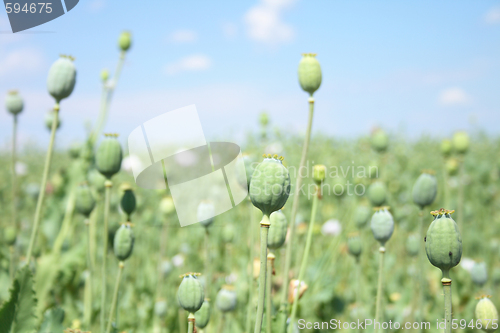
{"x": 115, "y": 295}
{"x": 14, "y": 175}
{"x": 250, "y": 306}
{"x": 421, "y": 270}
{"x": 305, "y": 257}
{"x": 446, "y": 282}
{"x": 11, "y": 263}
{"x": 108, "y": 184}
{"x": 461, "y": 192}
{"x": 269, "y": 309}
{"x": 295, "y": 206}
{"x": 88, "y": 304}
{"x": 378, "y": 305}
{"x": 221, "y": 323}
{"x": 264, "y": 231}
{"x": 208, "y": 263}
{"x": 41, "y": 195}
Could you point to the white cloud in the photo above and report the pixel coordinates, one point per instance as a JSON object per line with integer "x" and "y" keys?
{"x": 183, "y": 36}
{"x": 265, "y": 24}
{"x": 196, "y": 62}
{"x": 454, "y": 96}
{"x": 96, "y": 5}
{"x": 493, "y": 16}
{"x": 21, "y": 61}
{"x": 229, "y": 29}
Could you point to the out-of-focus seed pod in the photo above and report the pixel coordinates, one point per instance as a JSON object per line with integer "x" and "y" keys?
{"x": 206, "y": 213}
{"x": 479, "y": 273}
{"x": 382, "y": 225}
{"x": 256, "y": 268}
{"x": 190, "y": 294}
{"x": 461, "y": 142}
{"x": 202, "y": 316}
{"x": 309, "y": 73}
{"x": 128, "y": 202}
{"x": 319, "y": 173}
{"x": 270, "y": 185}
{"x": 125, "y": 41}
{"x": 104, "y": 75}
{"x": 277, "y": 230}
{"x": 354, "y": 245}
{"x": 166, "y": 268}
{"x": 226, "y": 299}
{"x": 75, "y": 149}
{"x": 264, "y": 119}
{"x": 379, "y": 140}
{"x": 10, "y": 235}
{"x": 443, "y": 242}
{"x": 228, "y": 233}
{"x": 495, "y": 276}
{"x": 109, "y": 156}
{"x": 487, "y": 313}
{"x": 446, "y": 147}
{"x": 49, "y": 119}
{"x": 167, "y": 206}
{"x": 123, "y": 243}
{"x": 377, "y": 193}
{"x": 14, "y": 103}
{"x": 452, "y": 166}
{"x": 373, "y": 171}
{"x": 413, "y": 245}
{"x": 62, "y": 78}
{"x": 96, "y": 180}
{"x": 424, "y": 190}
{"x": 161, "y": 308}
{"x": 361, "y": 216}
{"x": 244, "y": 178}
{"x": 84, "y": 200}
{"x": 294, "y": 288}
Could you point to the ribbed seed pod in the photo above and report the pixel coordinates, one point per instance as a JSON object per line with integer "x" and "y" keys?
{"x": 202, "y": 316}
{"x": 190, "y": 294}
{"x": 379, "y": 140}
{"x": 14, "y": 103}
{"x": 354, "y": 245}
{"x": 277, "y": 231}
{"x": 443, "y": 242}
{"x": 309, "y": 73}
{"x": 382, "y": 225}
{"x": 49, "y": 119}
{"x": 319, "y": 173}
{"x": 226, "y": 299}
{"x": 425, "y": 190}
{"x": 128, "y": 202}
{"x": 377, "y": 193}
{"x": 461, "y": 142}
{"x": 84, "y": 200}
{"x": 270, "y": 185}
{"x": 413, "y": 245}
{"x": 487, "y": 313}
{"x": 361, "y": 216}
{"x": 446, "y": 147}
{"x": 125, "y": 40}
{"x": 10, "y": 235}
{"x": 123, "y": 243}
{"x": 109, "y": 156}
{"x": 479, "y": 273}
{"x": 206, "y": 213}
{"x": 62, "y": 78}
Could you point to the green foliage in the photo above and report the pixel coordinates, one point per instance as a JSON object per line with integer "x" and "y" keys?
{"x": 52, "y": 321}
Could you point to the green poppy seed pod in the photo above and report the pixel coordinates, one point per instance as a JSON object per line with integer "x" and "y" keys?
{"x": 161, "y": 308}
{"x": 125, "y": 41}
{"x": 446, "y": 147}
{"x": 263, "y": 119}
{"x": 277, "y": 231}
{"x": 424, "y": 190}
{"x": 190, "y": 294}
{"x": 226, "y": 299}
{"x": 167, "y": 205}
{"x": 49, "y": 119}
{"x": 479, "y": 273}
{"x": 270, "y": 185}
{"x": 14, "y": 103}
{"x": 309, "y": 73}
{"x": 377, "y": 193}
{"x": 361, "y": 216}
{"x": 487, "y": 313}
{"x": 355, "y": 245}
{"x": 461, "y": 142}
{"x": 62, "y": 78}
{"x": 379, "y": 140}
{"x": 75, "y": 149}
{"x": 10, "y": 235}
{"x": 123, "y": 243}
{"x": 202, "y": 316}
{"x": 104, "y": 75}
{"x": 452, "y": 166}
{"x": 443, "y": 242}
{"x": 228, "y": 233}
{"x": 128, "y": 202}
{"x": 97, "y": 180}
{"x": 382, "y": 225}
{"x": 84, "y": 200}
{"x": 109, "y": 156}
{"x": 413, "y": 245}
{"x": 206, "y": 213}
{"x": 319, "y": 173}
{"x": 244, "y": 178}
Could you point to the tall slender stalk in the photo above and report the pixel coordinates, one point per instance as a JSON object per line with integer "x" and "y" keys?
{"x": 115, "y": 295}
{"x": 14, "y": 174}
{"x": 264, "y": 231}
{"x": 461, "y": 192}
{"x": 41, "y": 195}
{"x": 108, "y": 184}
{"x": 191, "y": 320}
{"x": 295, "y": 206}
{"x": 269, "y": 310}
{"x": 222, "y": 320}
{"x": 378, "y": 304}
{"x": 88, "y": 303}
{"x": 304, "y": 258}
{"x": 250, "y": 306}
{"x": 421, "y": 271}
{"x": 446, "y": 282}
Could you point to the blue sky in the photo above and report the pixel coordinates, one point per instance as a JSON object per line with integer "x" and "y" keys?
{"x": 422, "y": 67}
